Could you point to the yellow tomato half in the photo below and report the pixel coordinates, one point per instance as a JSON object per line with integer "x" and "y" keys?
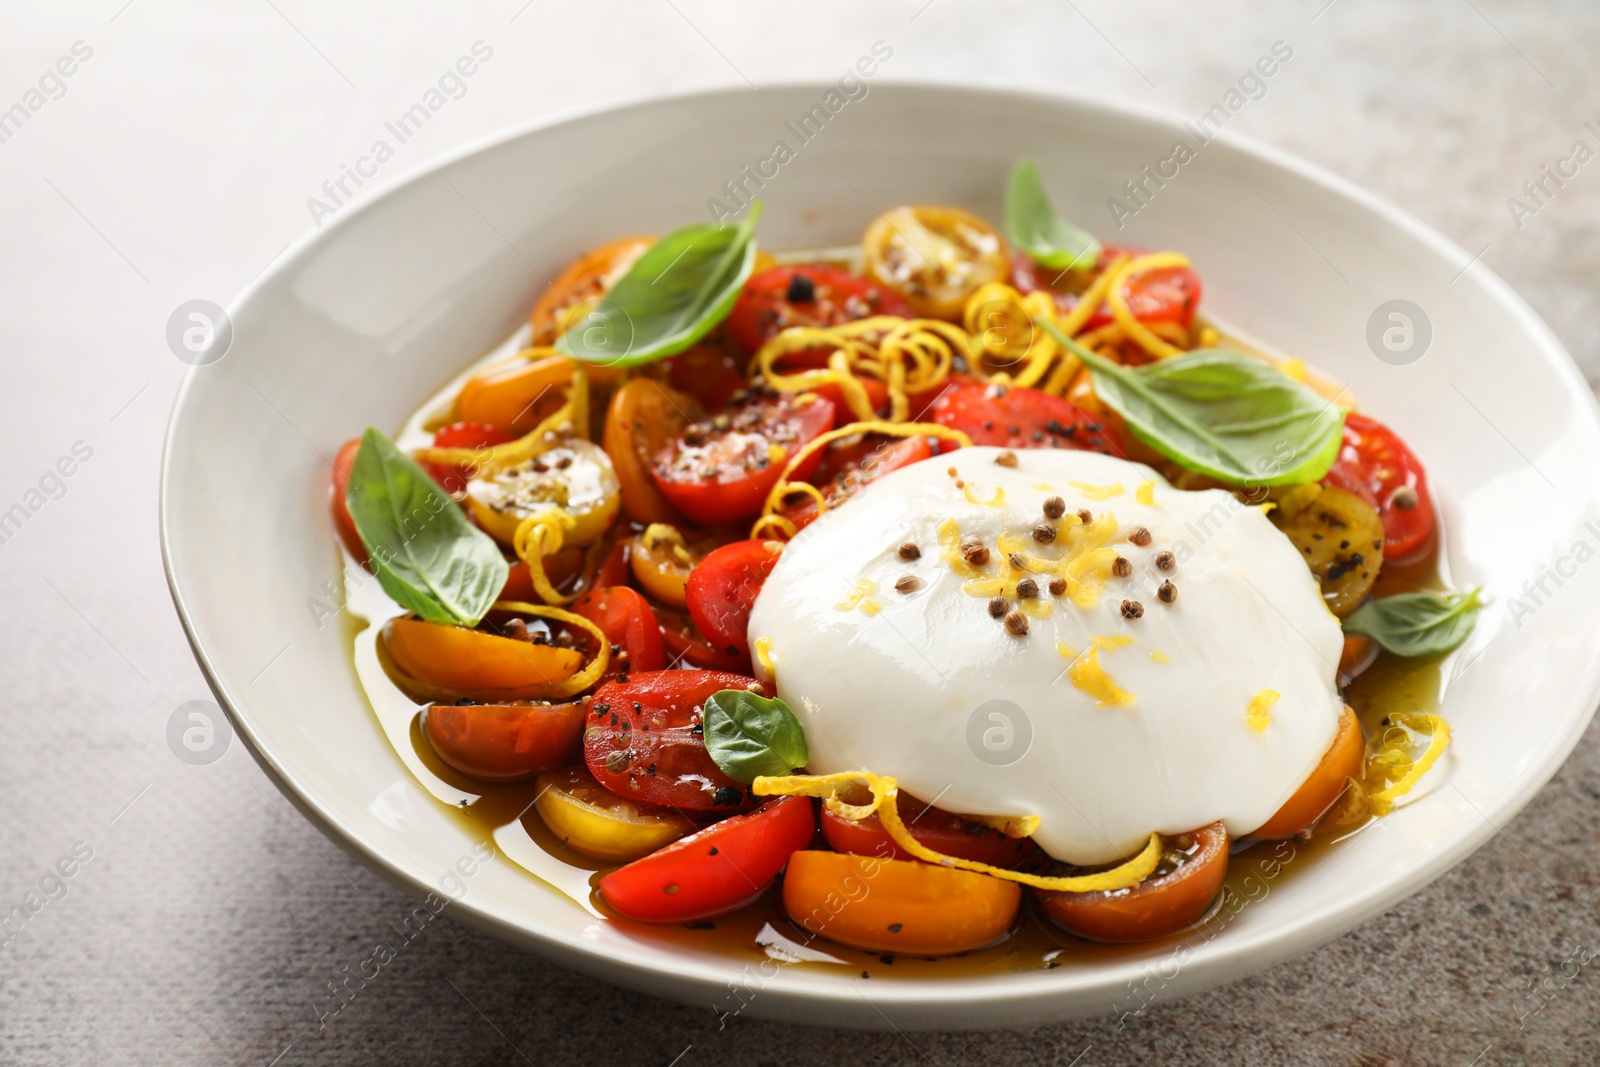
{"x": 601, "y": 825}
{"x": 935, "y": 257}
{"x": 575, "y": 477}
{"x": 454, "y": 657}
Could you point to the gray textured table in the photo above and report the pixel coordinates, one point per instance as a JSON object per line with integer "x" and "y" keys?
{"x": 175, "y": 162}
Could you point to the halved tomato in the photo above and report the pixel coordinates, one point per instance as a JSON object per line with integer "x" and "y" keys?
{"x": 645, "y": 741}
{"x": 807, "y": 294}
{"x": 628, "y": 623}
{"x": 723, "y": 588}
{"x": 846, "y": 471}
{"x": 504, "y": 742}
{"x": 1377, "y": 466}
{"x": 342, "y": 522}
{"x": 644, "y": 416}
{"x": 598, "y": 824}
{"x": 1018, "y": 417}
{"x": 944, "y": 832}
{"x": 686, "y": 645}
{"x": 1171, "y": 294}
{"x": 586, "y": 278}
{"x": 454, "y": 657}
{"x": 453, "y": 480}
{"x": 1343, "y": 761}
{"x": 935, "y": 257}
{"x": 897, "y": 905}
{"x": 720, "y": 869}
{"x": 1177, "y": 893}
{"x": 721, "y": 470}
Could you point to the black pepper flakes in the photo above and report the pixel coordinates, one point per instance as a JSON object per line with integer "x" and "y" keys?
{"x": 909, "y": 551}
{"x": 726, "y": 796}
{"x": 998, "y": 607}
{"x": 1132, "y": 609}
{"x": 1122, "y": 566}
{"x": 1166, "y": 560}
{"x": 1016, "y": 624}
{"x": 1054, "y": 507}
{"x": 1167, "y": 593}
{"x": 1139, "y": 536}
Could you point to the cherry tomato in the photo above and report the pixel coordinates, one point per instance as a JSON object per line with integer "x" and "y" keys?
{"x": 614, "y": 568}
{"x": 720, "y": 869}
{"x": 886, "y": 905}
{"x": 684, "y": 644}
{"x": 644, "y": 416}
{"x": 1018, "y": 417}
{"x": 1343, "y": 761}
{"x": 561, "y": 568}
{"x": 645, "y": 742}
{"x": 585, "y": 278}
{"x": 662, "y": 559}
{"x": 575, "y": 476}
{"x": 707, "y": 373}
{"x": 1378, "y": 467}
{"x": 723, "y": 587}
{"x": 846, "y": 471}
{"x": 515, "y": 397}
{"x": 342, "y": 521}
{"x": 504, "y": 742}
{"x": 453, "y": 480}
{"x": 597, "y": 824}
{"x": 940, "y": 830}
{"x": 722, "y": 470}
{"x": 935, "y": 257}
{"x": 1171, "y": 294}
{"x": 627, "y": 621}
{"x": 1174, "y": 895}
{"x": 454, "y": 657}
{"x": 807, "y": 294}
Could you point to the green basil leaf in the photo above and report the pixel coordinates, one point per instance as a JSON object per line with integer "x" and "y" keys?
{"x": 1036, "y": 229}
{"x": 428, "y": 557}
{"x": 748, "y": 735}
{"x": 678, "y": 290}
{"x": 1417, "y": 624}
{"x": 1224, "y": 414}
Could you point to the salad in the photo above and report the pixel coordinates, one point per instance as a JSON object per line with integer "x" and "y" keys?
{"x": 919, "y": 593}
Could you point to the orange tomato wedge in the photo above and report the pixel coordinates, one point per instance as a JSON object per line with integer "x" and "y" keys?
{"x": 585, "y": 278}
{"x": 455, "y": 657}
{"x": 897, "y": 905}
{"x": 508, "y": 396}
{"x": 1342, "y": 762}
{"x": 644, "y": 415}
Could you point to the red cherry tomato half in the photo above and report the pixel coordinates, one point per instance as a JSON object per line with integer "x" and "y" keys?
{"x": 1378, "y": 467}
{"x": 846, "y": 471}
{"x": 462, "y": 435}
{"x": 686, "y": 646}
{"x": 1171, "y": 294}
{"x": 718, "y": 870}
{"x": 721, "y": 470}
{"x": 342, "y": 463}
{"x": 1017, "y": 417}
{"x": 504, "y": 742}
{"x": 945, "y": 833}
{"x": 810, "y": 294}
{"x": 644, "y": 741}
{"x": 625, "y": 616}
{"x": 723, "y": 588}
{"x": 707, "y": 373}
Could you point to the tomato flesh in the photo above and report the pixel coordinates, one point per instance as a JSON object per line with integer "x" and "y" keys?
{"x": 1176, "y": 895}
{"x": 504, "y": 742}
{"x": 1018, "y": 417}
{"x": 684, "y": 644}
{"x": 342, "y": 464}
{"x": 720, "y": 869}
{"x": 940, "y": 830}
{"x": 775, "y": 300}
{"x": 628, "y": 622}
{"x": 721, "y": 471}
{"x": 846, "y": 471}
{"x": 453, "y": 479}
{"x": 1377, "y": 466}
{"x": 723, "y": 588}
{"x": 644, "y": 740}
{"x": 1171, "y": 294}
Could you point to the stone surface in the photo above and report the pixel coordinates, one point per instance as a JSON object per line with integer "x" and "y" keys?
{"x": 177, "y": 164}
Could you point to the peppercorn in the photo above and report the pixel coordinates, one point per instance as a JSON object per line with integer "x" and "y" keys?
{"x": 1027, "y": 588}
{"x": 1018, "y": 563}
{"x": 1054, "y": 507}
{"x": 1167, "y": 593}
{"x": 906, "y": 583}
{"x": 1085, "y": 516}
{"x": 1132, "y": 609}
{"x": 1044, "y": 533}
{"x": 974, "y": 553}
{"x": 1016, "y": 624}
{"x": 910, "y": 551}
{"x": 1166, "y": 560}
{"x": 1139, "y": 536}
{"x": 998, "y": 606}
{"x": 1006, "y": 459}
{"x": 1058, "y": 585}
{"x": 1122, "y": 566}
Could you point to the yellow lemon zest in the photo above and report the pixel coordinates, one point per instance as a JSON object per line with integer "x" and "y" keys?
{"x": 763, "y": 651}
{"x": 1065, "y": 650}
{"x": 1259, "y": 714}
{"x": 1012, "y": 826}
{"x": 571, "y": 418}
{"x": 1438, "y": 740}
{"x": 1044, "y": 487}
{"x": 999, "y": 496}
{"x": 950, "y": 550}
{"x": 1146, "y": 494}
{"x": 1085, "y": 536}
{"x": 886, "y": 789}
{"x": 1117, "y": 301}
{"x": 1098, "y": 492}
{"x": 1294, "y": 368}
{"x": 1087, "y": 575}
{"x": 860, "y": 597}
{"x": 906, "y": 355}
{"x": 540, "y": 535}
{"x": 1158, "y": 656}
{"x": 1089, "y": 677}
{"x": 597, "y": 666}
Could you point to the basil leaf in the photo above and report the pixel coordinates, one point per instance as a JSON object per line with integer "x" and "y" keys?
{"x": 748, "y": 735}
{"x": 1417, "y": 624}
{"x": 1224, "y": 414}
{"x": 1036, "y": 229}
{"x": 678, "y": 290}
{"x": 428, "y": 557}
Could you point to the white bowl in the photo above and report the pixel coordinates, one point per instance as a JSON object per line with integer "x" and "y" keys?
{"x": 368, "y": 316}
